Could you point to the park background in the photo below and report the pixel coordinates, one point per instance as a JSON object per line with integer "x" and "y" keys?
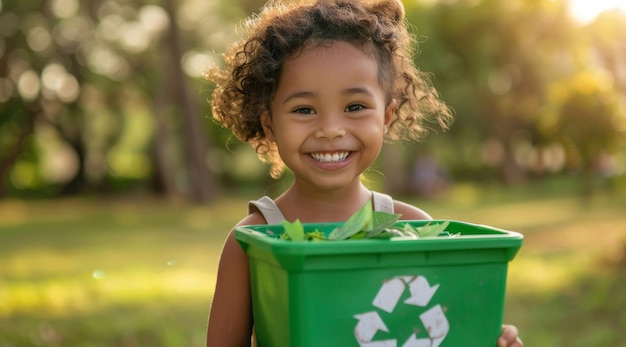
{"x": 117, "y": 188}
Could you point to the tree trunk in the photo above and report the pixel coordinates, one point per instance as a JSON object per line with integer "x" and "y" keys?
{"x": 201, "y": 182}
{"x": 13, "y": 153}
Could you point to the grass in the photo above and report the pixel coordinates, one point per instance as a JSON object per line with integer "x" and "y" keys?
{"x": 108, "y": 273}
{"x": 88, "y": 272}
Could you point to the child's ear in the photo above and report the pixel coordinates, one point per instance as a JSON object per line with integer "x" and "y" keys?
{"x": 389, "y": 111}
{"x": 266, "y": 123}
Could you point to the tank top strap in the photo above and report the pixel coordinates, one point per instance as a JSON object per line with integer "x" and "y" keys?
{"x": 382, "y": 202}
{"x": 273, "y": 215}
{"x": 268, "y": 208}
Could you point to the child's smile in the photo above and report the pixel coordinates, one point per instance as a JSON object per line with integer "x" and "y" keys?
{"x": 331, "y": 160}
{"x": 330, "y": 157}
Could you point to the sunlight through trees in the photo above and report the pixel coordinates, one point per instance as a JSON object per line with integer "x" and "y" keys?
{"x": 108, "y": 96}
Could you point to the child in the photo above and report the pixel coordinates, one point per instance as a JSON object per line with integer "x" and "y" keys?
{"x": 317, "y": 86}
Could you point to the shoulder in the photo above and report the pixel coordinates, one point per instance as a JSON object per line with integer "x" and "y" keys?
{"x": 231, "y": 244}
{"x": 255, "y": 217}
{"x": 409, "y": 212}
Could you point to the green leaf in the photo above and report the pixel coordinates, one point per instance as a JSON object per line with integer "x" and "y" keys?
{"x": 432, "y": 230}
{"x": 315, "y": 235}
{"x": 381, "y": 221}
{"x": 358, "y": 236}
{"x": 295, "y": 230}
{"x": 361, "y": 220}
{"x": 388, "y": 233}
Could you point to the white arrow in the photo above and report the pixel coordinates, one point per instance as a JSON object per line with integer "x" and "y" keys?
{"x": 437, "y": 341}
{"x": 389, "y": 294}
{"x": 436, "y": 324}
{"x": 413, "y": 341}
{"x": 407, "y": 279}
{"x": 421, "y": 292}
{"x": 384, "y": 343}
{"x": 369, "y": 323}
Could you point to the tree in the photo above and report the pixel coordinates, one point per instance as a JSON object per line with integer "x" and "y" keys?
{"x": 86, "y": 71}
{"x": 495, "y": 63}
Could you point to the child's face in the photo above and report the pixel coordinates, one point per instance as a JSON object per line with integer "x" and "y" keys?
{"x": 329, "y": 115}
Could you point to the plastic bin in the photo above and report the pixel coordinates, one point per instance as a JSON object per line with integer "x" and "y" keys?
{"x": 431, "y": 292}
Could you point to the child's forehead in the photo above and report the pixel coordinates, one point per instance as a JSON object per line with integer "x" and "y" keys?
{"x": 329, "y": 56}
{"x": 337, "y": 66}
{"x": 339, "y": 48}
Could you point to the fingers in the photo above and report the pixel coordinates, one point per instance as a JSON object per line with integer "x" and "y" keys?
{"x": 510, "y": 337}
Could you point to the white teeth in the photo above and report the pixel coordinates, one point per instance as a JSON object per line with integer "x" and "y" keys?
{"x": 330, "y": 158}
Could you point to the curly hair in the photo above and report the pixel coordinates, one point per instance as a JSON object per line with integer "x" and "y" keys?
{"x": 246, "y": 84}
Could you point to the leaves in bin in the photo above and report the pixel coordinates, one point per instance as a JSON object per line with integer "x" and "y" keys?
{"x": 315, "y": 235}
{"x": 361, "y": 220}
{"x": 430, "y": 230}
{"x": 409, "y": 231}
{"x": 293, "y": 231}
{"x": 381, "y": 221}
{"x": 366, "y": 224}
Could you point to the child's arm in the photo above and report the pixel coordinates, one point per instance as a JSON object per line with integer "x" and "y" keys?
{"x": 409, "y": 212}
{"x": 230, "y": 321}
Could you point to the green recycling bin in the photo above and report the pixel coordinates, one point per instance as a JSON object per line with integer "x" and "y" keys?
{"x": 431, "y": 292}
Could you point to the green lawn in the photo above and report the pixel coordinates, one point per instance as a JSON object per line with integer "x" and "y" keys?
{"x": 141, "y": 273}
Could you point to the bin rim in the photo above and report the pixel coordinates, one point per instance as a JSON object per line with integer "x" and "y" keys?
{"x": 482, "y": 237}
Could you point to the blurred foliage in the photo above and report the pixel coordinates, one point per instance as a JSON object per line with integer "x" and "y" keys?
{"x": 107, "y": 96}
{"x": 524, "y": 77}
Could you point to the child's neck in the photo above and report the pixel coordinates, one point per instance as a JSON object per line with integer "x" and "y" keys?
{"x": 316, "y": 206}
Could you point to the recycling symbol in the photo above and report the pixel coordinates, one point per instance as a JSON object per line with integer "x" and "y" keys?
{"x": 387, "y": 298}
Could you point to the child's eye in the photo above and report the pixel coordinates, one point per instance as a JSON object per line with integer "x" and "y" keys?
{"x": 304, "y": 110}
{"x": 353, "y": 108}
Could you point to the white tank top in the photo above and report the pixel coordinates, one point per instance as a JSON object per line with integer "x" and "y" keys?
{"x": 272, "y": 214}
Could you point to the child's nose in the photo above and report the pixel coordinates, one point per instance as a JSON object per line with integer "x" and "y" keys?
{"x": 330, "y": 127}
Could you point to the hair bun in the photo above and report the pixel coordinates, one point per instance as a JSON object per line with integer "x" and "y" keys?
{"x": 392, "y": 9}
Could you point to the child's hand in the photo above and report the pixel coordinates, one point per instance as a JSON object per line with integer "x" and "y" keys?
{"x": 509, "y": 337}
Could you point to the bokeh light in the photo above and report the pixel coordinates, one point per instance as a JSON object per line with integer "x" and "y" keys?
{"x": 28, "y": 85}
{"x": 154, "y": 19}
{"x": 64, "y": 8}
